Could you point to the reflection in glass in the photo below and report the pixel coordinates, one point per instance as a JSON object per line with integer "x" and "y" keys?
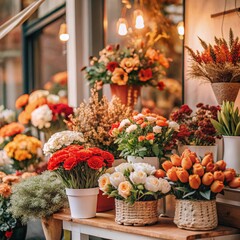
{"x": 160, "y": 18}
{"x": 10, "y": 57}
{"x": 49, "y": 55}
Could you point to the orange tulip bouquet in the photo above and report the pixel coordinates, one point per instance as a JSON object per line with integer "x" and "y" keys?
{"x": 195, "y": 183}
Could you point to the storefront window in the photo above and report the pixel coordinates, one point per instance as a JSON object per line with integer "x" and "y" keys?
{"x": 11, "y": 82}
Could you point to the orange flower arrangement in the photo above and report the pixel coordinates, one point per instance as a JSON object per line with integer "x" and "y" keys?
{"x": 145, "y": 135}
{"x": 192, "y": 178}
{"x": 11, "y": 129}
{"x": 136, "y": 66}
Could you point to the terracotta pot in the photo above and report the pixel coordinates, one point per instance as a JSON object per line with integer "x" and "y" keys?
{"x": 52, "y": 228}
{"x": 127, "y": 94}
{"x": 104, "y": 203}
{"x": 225, "y": 91}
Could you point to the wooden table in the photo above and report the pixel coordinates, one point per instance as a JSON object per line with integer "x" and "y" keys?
{"x": 103, "y": 225}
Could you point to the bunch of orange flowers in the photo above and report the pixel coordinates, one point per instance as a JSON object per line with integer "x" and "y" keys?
{"x": 24, "y": 150}
{"x": 11, "y": 129}
{"x": 192, "y": 178}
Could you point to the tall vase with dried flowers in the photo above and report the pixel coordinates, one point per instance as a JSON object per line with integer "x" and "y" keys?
{"x": 219, "y": 64}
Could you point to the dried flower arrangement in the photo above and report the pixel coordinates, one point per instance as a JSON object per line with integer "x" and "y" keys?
{"x": 196, "y": 128}
{"x": 95, "y": 118}
{"x": 219, "y": 62}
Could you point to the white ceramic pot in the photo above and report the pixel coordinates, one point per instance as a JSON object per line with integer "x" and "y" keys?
{"x": 154, "y": 161}
{"x": 82, "y": 202}
{"x": 200, "y": 150}
{"x": 231, "y": 152}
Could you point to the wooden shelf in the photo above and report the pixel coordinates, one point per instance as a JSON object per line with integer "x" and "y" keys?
{"x": 164, "y": 229}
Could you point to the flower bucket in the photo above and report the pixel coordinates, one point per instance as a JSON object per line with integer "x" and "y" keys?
{"x": 82, "y": 202}
{"x": 231, "y": 152}
{"x": 196, "y": 214}
{"x": 200, "y": 150}
{"x": 127, "y": 94}
{"x": 139, "y": 214}
{"x": 52, "y": 228}
{"x": 225, "y": 91}
{"x": 154, "y": 161}
{"x": 104, "y": 203}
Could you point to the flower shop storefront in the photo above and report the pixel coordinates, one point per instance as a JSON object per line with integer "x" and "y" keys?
{"x": 127, "y": 121}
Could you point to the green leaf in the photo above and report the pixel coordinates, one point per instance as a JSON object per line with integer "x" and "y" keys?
{"x": 182, "y": 189}
{"x": 206, "y": 195}
{"x": 155, "y": 149}
{"x": 218, "y": 127}
{"x": 189, "y": 194}
{"x": 225, "y": 120}
{"x": 237, "y": 132}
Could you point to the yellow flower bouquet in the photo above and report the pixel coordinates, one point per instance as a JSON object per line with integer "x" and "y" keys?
{"x": 25, "y": 151}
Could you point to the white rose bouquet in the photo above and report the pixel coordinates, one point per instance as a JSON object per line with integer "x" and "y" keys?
{"x": 134, "y": 182}
{"x": 145, "y": 135}
{"x": 61, "y": 140}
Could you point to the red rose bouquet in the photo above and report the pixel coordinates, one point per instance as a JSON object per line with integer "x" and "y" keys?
{"x": 78, "y": 167}
{"x": 196, "y": 127}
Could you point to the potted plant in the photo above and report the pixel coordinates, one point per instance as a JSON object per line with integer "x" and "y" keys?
{"x": 94, "y": 120}
{"x": 79, "y": 170}
{"x": 145, "y": 137}
{"x": 25, "y": 151}
{"x": 219, "y": 65}
{"x": 196, "y": 131}
{"x": 136, "y": 190}
{"x": 195, "y": 184}
{"x": 126, "y": 70}
{"x": 227, "y": 124}
{"x": 39, "y": 197}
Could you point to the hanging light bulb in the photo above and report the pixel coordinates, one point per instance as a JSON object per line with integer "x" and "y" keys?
{"x": 139, "y": 21}
{"x": 122, "y": 27}
{"x": 180, "y": 29}
{"x": 63, "y": 35}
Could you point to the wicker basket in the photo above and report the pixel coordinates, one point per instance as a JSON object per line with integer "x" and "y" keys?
{"x": 139, "y": 214}
{"x": 196, "y": 215}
